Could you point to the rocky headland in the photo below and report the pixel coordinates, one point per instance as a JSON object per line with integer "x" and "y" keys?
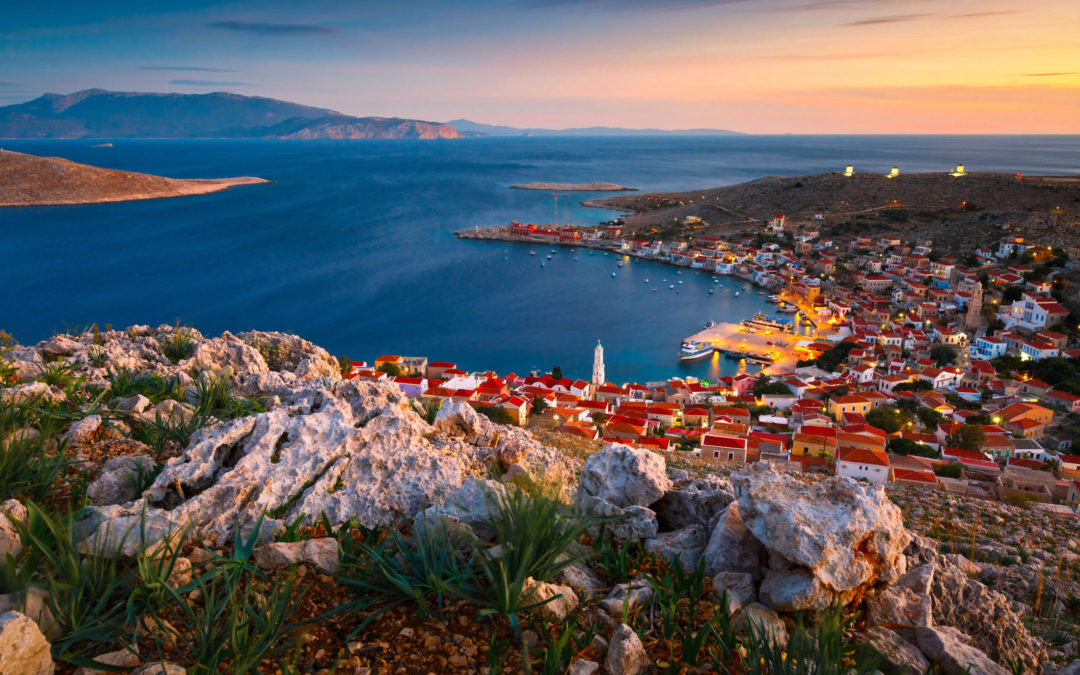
{"x": 163, "y": 475}
{"x": 29, "y": 180}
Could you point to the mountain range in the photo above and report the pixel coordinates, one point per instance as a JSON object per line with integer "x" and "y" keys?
{"x": 470, "y": 128}
{"x": 97, "y": 113}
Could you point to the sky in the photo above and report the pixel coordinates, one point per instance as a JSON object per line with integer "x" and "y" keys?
{"x": 757, "y": 66}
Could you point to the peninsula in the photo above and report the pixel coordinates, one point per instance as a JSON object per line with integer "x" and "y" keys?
{"x": 575, "y": 187}
{"x": 29, "y": 180}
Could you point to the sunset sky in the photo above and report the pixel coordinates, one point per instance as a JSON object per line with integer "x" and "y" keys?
{"x": 760, "y": 66}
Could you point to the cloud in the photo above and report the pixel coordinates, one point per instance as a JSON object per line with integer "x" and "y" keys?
{"x": 199, "y": 69}
{"x": 894, "y": 18}
{"x": 1048, "y": 74}
{"x": 978, "y": 15}
{"x": 282, "y": 29}
{"x": 209, "y": 83}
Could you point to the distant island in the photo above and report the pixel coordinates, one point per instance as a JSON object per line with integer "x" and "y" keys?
{"x": 470, "y": 128}
{"x": 29, "y": 180}
{"x": 97, "y": 113}
{"x": 578, "y": 187}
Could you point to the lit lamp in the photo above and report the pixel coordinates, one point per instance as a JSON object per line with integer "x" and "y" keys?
{"x": 996, "y": 419}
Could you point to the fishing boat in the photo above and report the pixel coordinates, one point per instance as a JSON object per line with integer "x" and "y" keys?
{"x": 694, "y": 350}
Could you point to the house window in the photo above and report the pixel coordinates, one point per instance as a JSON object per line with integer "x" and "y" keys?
{"x": 731, "y": 456}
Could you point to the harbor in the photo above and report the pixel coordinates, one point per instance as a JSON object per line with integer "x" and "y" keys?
{"x": 764, "y": 342}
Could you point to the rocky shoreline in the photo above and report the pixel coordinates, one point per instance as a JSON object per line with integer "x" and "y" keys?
{"x": 264, "y": 442}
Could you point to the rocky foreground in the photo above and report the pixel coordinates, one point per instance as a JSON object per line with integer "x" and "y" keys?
{"x": 354, "y": 530}
{"x": 28, "y": 180}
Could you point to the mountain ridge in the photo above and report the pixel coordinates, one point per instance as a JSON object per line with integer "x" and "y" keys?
{"x": 99, "y": 113}
{"x": 470, "y": 128}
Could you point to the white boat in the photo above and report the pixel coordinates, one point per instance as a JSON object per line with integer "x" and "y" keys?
{"x": 532, "y": 252}
{"x": 736, "y": 294}
{"x": 680, "y": 281}
{"x": 790, "y": 309}
{"x": 671, "y": 286}
{"x": 710, "y": 324}
{"x": 612, "y": 275}
{"x": 694, "y": 350}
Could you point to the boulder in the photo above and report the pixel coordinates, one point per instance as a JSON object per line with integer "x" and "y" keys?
{"x": 626, "y": 655}
{"x": 136, "y": 403}
{"x": 757, "y": 619}
{"x": 82, "y": 432}
{"x": 23, "y": 649}
{"x": 32, "y": 392}
{"x": 119, "y": 477}
{"x": 624, "y": 476}
{"x": 738, "y": 585}
{"x": 731, "y": 547}
{"x": 350, "y": 451}
{"x": 629, "y": 595}
{"x": 633, "y": 523}
{"x": 686, "y": 545}
{"x": 696, "y": 501}
{"x": 11, "y": 511}
{"x": 469, "y": 505}
{"x": 458, "y": 419}
{"x": 984, "y": 614}
{"x": 294, "y": 355}
{"x": 34, "y": 603}
{"x": 901, "y": 606}
{"x": 827, "y": 542}
{"x": 897, "y": 652}
{"x": 559, "y": 601}
{"x": 321, "y": 553}
{"x": 951, "y": 650}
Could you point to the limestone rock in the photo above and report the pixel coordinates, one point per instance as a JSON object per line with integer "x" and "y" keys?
{"x": 757, "y": 619}
{"x": 227, "y": 351}
{"x": 695, "y": 501}
{"x": 23, "y": 649}
{"x": 626, "y": 655}
{"x": 136, "y": 403}
{"x": 80, "y": 433}
{"x": 117, "y": 481}
{"x": 559, "y": 601}
{"x": 469, "y": 505}
{"x": 629, "y": 595}
{"x": 171, "y": 411}
{"x": 919, "y": 579}
{"x": 321, "y": 553}
{"x": 686, "y": 544}
{"x": 31, "y": 392}
{"x": 581, "y": 577}
{"x": 121, "y": 658}
{"x": 33, "y": 602}
{"x": 458, "y": 419}
{"x": 985, "y": 615}
{"x": 628, "y": 524}
{"x": 900, "y": 606}
{"x": 624, "y": 476}
{"x": 847, "y": 536}
{"x": 583, "y": 667}
{"x": 897, "y": 652}
{"x": 951, "y": 650}
{"x": 11, "y": 511}
{"x": 295, "y": 355}
{"x": 352, "y": 450}
{"x": 731, "y": 547}
{"x": 738, "y": 585}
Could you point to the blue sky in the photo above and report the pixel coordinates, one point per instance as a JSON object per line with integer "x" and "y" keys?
{"x": 770, "y": 66}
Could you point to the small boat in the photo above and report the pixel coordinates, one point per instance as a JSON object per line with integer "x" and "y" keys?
{"x": 711, "y": 291}
{"x": 671, "y": 286}
{"x": 543, "y": 264}
{"x": 680, "y": 281}
{"x": 736, "y": 294}
{"x": 620, "y": 263}
{"x": 715, "y": 280}
{"x": 694, "y": 350}
{"x": 532, "y": 252}
{"x": 654, "y": 290}
{"x": 678, "y": 271}
{"x": 646, "y": 281}
{"x": 710, "y": 324}
{"x": 552, "y": 250}
{"x": 549, "y": 257}
{"x": 790, "y": 309}
{"x": 612, "y": 275}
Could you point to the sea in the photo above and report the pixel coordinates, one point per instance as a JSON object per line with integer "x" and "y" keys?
{"x": 352, "y": 246}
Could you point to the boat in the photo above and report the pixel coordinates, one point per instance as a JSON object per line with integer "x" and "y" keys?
{"x": 694, "y": 350}
{"x": 646, "y": 281}
{"x": 763, "y": 321}
{"x": 775, "y": 298}
{"x": 549, "y": 256}
{"x": 612, "y": 275}
{"x": 736, "y": 294}
{"x": 680, "y": 281}
{"x": 654, "y": 290}
{"x": 711, "y": 291}
{"x": 543, "y": 264}
{"x": 790, "y": 309}
{"x": 532, "y": 252}
{"x": 710, "y": 324}
{"x": 671, "y": 286}
{"x": 619, "y": 263}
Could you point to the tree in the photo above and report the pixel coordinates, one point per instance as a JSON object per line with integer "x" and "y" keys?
{"x": 914, "y": 385}
{"x": 967, "y": 437}
{"x": 885, "y": 418}
{"x": 390, "y": 369}
{"x": 929, "y": 418}
{"x": 539, "y": 406}
{"x": 345, "y": 365}
{"x": 556, "y": 372}
{"x": 831, "y": 358}
{"x": 950, "y": 470}
{"x": 944, "y": 355}
{"x": 496, "y": 414}
{"x": 906, "y": 446}
{"x": 1011, "y": 294}
{"x": 766, "y": 386}
{"x": 600, "y": 419}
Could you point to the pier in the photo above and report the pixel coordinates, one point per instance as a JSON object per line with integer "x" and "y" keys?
{"x": 775, "y": 347}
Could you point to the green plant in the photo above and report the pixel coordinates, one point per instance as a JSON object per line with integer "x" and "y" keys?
{"x": 56, "y": 373}
{"x": 419, "y": 568}
{"x": 181, "y": 345}
{"x": 563, "y": 644}
{"x": 212, "y": 396}
{"x": 159, "y": 432}
{"x": 126, "y": 383}
{"x": 820, "y": 650}
{"x": 96, "y": 356}
{"x": 30, "y": 465}
{"x": 617, "y": 563}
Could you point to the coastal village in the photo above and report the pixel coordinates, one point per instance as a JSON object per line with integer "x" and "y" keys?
{"x": 921, "y": 370}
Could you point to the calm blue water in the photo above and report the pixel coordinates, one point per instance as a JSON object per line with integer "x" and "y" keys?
{"x": 352, "y": 245}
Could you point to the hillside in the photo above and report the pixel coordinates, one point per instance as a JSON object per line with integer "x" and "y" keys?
{"x": 96, "y": 113}
{"x": 28, "y": 180}
{"x": 969, "y": 210}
